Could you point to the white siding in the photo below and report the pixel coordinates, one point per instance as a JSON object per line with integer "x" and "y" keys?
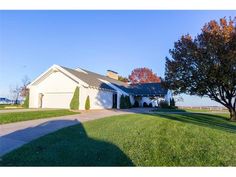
{"x": 132, "y": 100}
{"x": 99, "y": 99}
{"x": 33, "y": 97}
{"x": 57, "y": 90}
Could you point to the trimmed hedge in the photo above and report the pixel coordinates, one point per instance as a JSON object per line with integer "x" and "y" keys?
{"x": 26, "y": 102}
{"x": 87, "y": 103}
{"x": 136, "y": 104}
{"x": 164, "y": 104}
{"x": 150, "y": 105}
{"x": 74, "y": 104}
{"x": 122, "y": 102}
{"x": 172, "y": 103}
{"x": 125, "y": 102}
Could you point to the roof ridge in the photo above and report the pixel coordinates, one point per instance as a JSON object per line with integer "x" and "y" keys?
{"x": 104, "y": 76}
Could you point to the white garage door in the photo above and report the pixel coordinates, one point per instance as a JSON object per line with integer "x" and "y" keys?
{"x": 56, "y": 100}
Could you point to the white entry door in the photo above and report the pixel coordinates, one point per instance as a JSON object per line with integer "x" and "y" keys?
{"x": 56, "y": 100}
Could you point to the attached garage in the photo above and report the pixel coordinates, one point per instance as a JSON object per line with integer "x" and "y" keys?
{"x": 54, "y": 89}
{"x": 56, "y": 100}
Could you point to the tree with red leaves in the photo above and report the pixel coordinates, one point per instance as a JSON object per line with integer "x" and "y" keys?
{"x": 206, "y": 65}
{"x": 143, "y": 75}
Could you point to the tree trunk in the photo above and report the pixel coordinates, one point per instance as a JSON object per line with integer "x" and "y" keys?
{"x": 232, "y": 114}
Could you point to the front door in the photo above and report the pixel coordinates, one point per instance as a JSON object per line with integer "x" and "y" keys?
{"x": 114, "y": 101}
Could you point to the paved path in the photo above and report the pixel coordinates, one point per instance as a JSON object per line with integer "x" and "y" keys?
{"x": 14, "y": 135}
{"x": 24, "y": 110}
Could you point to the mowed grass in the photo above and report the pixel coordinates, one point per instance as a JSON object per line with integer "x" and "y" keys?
{"x": 9, "y": 106}
{"x": 187, "y": 110}
{"x": 30, "y": 115}
{"x": 135, "y": 140}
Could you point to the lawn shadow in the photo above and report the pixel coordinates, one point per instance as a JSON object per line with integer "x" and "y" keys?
{"x": 168, "y": 110}
{"x": 13, "y": 140}
{"x": 67, "y": 147}
{"x": 202, "y": 119}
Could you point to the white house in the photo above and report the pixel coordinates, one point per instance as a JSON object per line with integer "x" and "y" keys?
{"x": 55, "y": 88}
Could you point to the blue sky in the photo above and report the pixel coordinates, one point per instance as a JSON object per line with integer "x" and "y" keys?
{"x": 32, "y": 41}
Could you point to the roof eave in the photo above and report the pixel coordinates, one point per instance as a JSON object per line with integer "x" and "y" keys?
{"x": 55, "y": 68}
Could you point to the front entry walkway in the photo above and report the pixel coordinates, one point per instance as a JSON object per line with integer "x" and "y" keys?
{"x": 14, "y": 135}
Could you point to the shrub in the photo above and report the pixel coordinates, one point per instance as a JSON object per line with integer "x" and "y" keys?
{"x": 172, "y": 103}
{"x": 26, "y": 102}
{"x": 122, "y": 102}
{"x": 164, "y": 104}
{"x": 145, "y": 105}
{"x": 74, "y": 104}
{"x": 136, "y": 104}
{"x": 87, "y": 103}
{"x": 125, "y": 102}
{"x": 150, "y": 105}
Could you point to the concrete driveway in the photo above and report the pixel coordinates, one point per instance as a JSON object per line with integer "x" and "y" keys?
{"x": 14, "y": 135}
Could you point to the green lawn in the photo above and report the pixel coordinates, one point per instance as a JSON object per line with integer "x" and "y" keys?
{"x": 187, "y": 110}
{"x": 135, "y": 140}
{"x": 9, "y": 106}
{"x": 30, "y": 115}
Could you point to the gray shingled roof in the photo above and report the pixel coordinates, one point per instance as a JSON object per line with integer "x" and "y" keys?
{"x": 92, "y": 79}
{"x": 147, "y": 89}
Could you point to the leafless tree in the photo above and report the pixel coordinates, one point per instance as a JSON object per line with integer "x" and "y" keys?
{"x": 24, "y": 91}
{"x": 15, "y": 91}
{"x": 20, "y": 91}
